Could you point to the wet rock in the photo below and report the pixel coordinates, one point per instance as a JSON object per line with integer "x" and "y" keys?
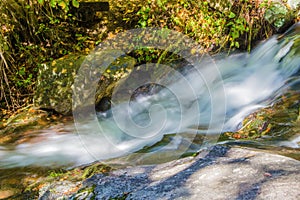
{"x": 119, "y": 69}
{"x": 221, "y": 173}
{"x": 276, "y": 122}
{"x": 289, "y": 55}
{"x": 103, "y": 105}
{"x": 22, "y": 122}
{"x": 6, "y": 194}
{"x": 97, "y": 78}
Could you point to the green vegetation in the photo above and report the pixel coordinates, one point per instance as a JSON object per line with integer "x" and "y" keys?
{"x": 32, "y": 32}
{"x": 236, "y": 27}
{"x": 79, "y": 173}
{"x": 37, "y": 31}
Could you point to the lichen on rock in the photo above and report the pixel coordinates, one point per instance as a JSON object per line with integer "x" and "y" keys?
{"x": 55, "y": 81}
{"x": 53, "y": 88}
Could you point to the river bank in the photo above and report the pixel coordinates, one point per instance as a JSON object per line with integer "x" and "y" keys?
{"x": 46, "y": 153}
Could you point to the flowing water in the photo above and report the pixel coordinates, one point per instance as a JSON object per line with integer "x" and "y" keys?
{"x": 209, "y": 106}
{"x": 182, "y": 119}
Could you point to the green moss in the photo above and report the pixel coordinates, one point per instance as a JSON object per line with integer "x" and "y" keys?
{"x": 54, "y": 83}
{"x": 94, "y": 169}
{"x": 278, "y": 120}
{"x": 19, "y": 124}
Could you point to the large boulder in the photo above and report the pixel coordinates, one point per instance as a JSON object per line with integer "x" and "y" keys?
{"x": 56, "y": 78}
{"x": 221, "y": 173}
{"x": 53, "y": 88}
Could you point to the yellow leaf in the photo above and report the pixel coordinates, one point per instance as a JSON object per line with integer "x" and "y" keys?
{"x": 54, "y": 70}
{"x": 62, "y": 4}
{"x": 193, "y": 51}
{"x": 53, "y": 63}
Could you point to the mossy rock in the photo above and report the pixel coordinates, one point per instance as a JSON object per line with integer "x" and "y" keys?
{"x": 289, "y": 55}
{"x": 60, "y": 183}
{"x": 55, "y": 81}
{"x": 100, "y": 73}
{"x": 119, "y": 69}
{"x": 53, "y": 88}
{"x": 279, "y": 120}
{"x": 21, "y": 123}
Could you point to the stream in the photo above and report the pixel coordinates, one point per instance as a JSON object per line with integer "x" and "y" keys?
{"x": 173, "y": 121}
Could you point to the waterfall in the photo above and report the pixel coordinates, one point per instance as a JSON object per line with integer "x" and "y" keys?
{"x": 190, "y": 103}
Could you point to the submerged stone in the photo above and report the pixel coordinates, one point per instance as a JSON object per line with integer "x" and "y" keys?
{"x": 278, "y": 120}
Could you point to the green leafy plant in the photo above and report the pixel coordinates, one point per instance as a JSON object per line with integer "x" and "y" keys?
{"x": 63, "y": 4}
{"x": 237, "y": 27}
{"x": 144, "y": 16}
{"x": 277, "y": 14}
{"x": 37, "y": 31}
{"x": 32, "y": 32}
